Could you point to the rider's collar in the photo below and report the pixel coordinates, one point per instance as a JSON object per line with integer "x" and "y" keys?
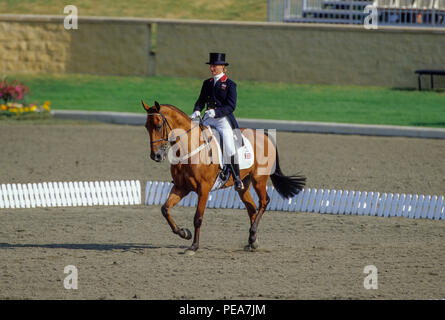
{"x": 218, "y": 76}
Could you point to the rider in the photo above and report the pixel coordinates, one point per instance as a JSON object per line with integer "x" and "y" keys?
{"x": 219, "y": 93}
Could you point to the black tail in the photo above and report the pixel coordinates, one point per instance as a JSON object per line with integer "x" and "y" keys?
{"x": 287, "y": 186}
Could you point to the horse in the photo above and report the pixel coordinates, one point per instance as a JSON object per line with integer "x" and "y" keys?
{"x": 171, "y": 130}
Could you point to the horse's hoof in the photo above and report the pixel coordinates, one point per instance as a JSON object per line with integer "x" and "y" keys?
{"x": 254, "y": 245}
{"x": 188, "y": 234}
{"x": 185, "y": 233}
{"x": 189, "y": 252}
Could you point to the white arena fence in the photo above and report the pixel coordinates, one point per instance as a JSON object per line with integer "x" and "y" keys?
{"x": 70, "y": 194}
{"x": 323, "y": 201}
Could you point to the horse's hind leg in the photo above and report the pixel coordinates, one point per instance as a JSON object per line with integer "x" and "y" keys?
{"x": 246, "y": 198}
{"x": 174, "y": 197}
{"x": 259, "y": 184}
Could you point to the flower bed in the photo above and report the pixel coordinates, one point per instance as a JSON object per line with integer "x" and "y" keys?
{"x": 13, "y": 95}
{"x": 18, "y": 109}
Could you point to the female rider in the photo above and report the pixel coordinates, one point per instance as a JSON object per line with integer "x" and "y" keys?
{"x": 219, "y": 93}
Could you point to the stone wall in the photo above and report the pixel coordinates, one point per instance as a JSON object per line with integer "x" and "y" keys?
{"x": 299, "y": 53}
{"x": 98, "y": 46}
{"x": 34, "y": 48}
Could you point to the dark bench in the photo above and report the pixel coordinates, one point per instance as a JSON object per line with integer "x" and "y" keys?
{"x": 431, "y": 73}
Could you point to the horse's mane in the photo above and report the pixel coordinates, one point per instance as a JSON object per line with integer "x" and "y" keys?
{"x": 176, "y": 109}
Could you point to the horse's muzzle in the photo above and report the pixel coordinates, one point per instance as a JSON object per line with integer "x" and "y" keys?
{"x": 158, "y": 156}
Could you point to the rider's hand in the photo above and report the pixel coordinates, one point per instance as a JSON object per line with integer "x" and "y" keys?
{"x": 210, "y": 113}
{"x": 195, "y": 114}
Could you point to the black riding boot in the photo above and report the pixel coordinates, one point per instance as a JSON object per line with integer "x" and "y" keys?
{"x": 225, "y": 173}
{"x": 236, "y": 175}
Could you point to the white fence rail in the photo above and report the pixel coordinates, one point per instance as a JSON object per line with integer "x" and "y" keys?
{"x": 108, "y": 193}
{"x": 70, "y": 194}
{"x": 412, "y": 13}
{"x": 347, "y": 202}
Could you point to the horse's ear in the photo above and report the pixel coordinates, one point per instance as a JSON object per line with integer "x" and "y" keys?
{"x": 145, "y": 106}
{"x": 157, "y": 106}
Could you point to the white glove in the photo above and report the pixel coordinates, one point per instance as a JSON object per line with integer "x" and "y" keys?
{"x": 195, "y": 114}
{"x": 210, "y": 113}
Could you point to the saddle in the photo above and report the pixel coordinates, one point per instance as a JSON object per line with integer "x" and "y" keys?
{"x": 244, "y": 151}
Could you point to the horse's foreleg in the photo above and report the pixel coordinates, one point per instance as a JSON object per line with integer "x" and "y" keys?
{"x": 202, "y": 201}
{"x": 174, "y": 197}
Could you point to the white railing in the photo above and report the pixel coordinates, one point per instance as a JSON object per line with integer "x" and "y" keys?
{"x": 325, "y": 201}
{"x": 415, "y": 13}
{"x": 421, "y": 13}
{"x": 410, "y": 4}
{"x": 70, "y": 194}
{"x": 346, "y": 202}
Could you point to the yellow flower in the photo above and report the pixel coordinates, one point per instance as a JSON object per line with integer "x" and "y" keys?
{"x": 3, "y": 107}
{"x": 33, "y": 108}
{"x": 25, "y": 109}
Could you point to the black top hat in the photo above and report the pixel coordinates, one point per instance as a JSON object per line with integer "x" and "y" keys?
{"x": 217, "y": 58}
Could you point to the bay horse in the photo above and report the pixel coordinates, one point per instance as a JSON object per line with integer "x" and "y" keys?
{"x": 170, "y": 129}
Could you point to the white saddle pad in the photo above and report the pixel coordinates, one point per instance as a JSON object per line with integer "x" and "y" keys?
{"x": 245, "y": 158}
{"x": 245, "y": 153}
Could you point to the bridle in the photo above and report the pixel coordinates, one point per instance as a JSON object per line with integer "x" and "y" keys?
{"x": 165, "y": 132}
{"x": 164, "y": 128}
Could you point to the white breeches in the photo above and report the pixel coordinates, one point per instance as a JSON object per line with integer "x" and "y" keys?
{"x": 222, "y": 125}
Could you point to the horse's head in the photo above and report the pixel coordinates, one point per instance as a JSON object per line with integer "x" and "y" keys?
{"x": 158, "y": 129}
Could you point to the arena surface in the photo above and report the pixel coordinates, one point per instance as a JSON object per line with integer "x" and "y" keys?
{"x": 129, "y": 252}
